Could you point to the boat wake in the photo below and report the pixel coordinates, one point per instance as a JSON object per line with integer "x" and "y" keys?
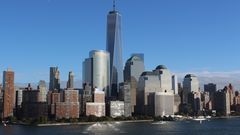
{"x": 101, "y": 127}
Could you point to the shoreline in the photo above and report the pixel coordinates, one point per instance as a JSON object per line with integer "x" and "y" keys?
{"x": 89, "y": 123}
{"x": 105, "y": 122}
{"x": 78, "y": 123}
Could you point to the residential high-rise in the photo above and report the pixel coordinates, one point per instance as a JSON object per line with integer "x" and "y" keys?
{"x": 69, "y": 106}
{"x": 70, "y": 83}
{"x": 32, "y": 106}
{"x": 8, "y": 93}
{"x": 97, "y": 107}
{"x": 54, "y": 83}
{"x": 42, "y": 91}
{"x": 96, "y": 70}
{"x": 114, "y": 47}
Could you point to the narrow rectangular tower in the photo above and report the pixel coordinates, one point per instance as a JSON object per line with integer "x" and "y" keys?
{"x": 114, "y": 47}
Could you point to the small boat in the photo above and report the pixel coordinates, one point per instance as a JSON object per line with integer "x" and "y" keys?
{"x": 200, "y": 118}
{"x": 208, "y": 117}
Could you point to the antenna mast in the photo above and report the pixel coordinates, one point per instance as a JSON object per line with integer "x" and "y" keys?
{"x": 114, "y": 5}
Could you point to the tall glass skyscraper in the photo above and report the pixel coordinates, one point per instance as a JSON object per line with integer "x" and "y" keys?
{"x": 114, "y": 47}
{"x": 54, "y": 82}
{"x": 96, "y": 70}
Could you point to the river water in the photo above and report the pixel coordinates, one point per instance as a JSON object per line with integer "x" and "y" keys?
{"x": 212, "y": 127}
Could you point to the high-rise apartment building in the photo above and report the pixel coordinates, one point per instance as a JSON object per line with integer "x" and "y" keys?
{"x": 42, "y": 91}
{"x": 8, "y": 93}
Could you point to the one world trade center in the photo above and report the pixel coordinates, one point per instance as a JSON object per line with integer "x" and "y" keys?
{"x": 114, "y": 47}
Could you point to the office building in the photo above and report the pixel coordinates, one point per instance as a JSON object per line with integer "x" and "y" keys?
{"x": 96, "y": 70}
{"x": 194, "y": 100}
{"x": 175, "y": 84}
{"x": 114, "y": 47}
{"x": 211, "y": 88}
{"x": 164, "y": 104}
{"x": 190, "y": 84}
{"x": 70, "y": 82}
{"x": 54, "y": 83}
{"x": 177, "y": 103}
{"x": 140, "y": 55}
{"x": 133, "y": 69}
{"x": 152, "y": 87}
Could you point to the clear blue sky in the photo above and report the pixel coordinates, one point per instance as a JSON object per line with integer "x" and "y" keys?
{"x": 184, "y": 35}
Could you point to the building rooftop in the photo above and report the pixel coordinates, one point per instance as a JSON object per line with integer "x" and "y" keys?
{"x": 161, "y": 67}
{"x": 190, "y": 75}
{"x": 148, "y": 73}
{"x": 134, "y": 58}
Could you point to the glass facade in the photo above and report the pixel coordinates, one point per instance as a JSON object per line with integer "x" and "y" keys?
{"x": 96, "y": 70}
{"x": 54, "y": 83}
{"x": 134, "y": 67}
{"x": 114, "y": 47}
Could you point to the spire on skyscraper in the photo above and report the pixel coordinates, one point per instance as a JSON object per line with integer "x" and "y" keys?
{"x": 114, "y": 5}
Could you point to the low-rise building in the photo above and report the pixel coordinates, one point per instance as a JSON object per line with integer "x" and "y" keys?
{"x": 116, "y": 108}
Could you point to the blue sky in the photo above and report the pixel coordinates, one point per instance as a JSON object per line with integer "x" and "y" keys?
{"x": 184, "y": 35}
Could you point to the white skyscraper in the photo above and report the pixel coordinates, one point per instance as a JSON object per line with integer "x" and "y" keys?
{"x": 175, "y": 84}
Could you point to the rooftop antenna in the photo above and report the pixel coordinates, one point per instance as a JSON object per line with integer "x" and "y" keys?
{"x": 114, "y": 5}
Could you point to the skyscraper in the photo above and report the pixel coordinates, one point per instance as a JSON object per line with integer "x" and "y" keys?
{"x": 114, "y": 47}
{"x": 8, "y": 93}
{"x": 54, "y": 83}
{"x": 211, "y": 88}
{"x": 154, "y": 91}
{"x": 133, "y": 69}
{"x": 191, "y": 92}
{"x": 191, "y": 83}
{"x": 175, "y": 84}
{"x": 70, "y": 83}
{"x": 96, "y": 70}
{"x": 42, "y": 91}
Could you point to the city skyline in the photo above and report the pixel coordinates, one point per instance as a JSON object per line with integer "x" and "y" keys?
{"x": 53, "y": 42}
